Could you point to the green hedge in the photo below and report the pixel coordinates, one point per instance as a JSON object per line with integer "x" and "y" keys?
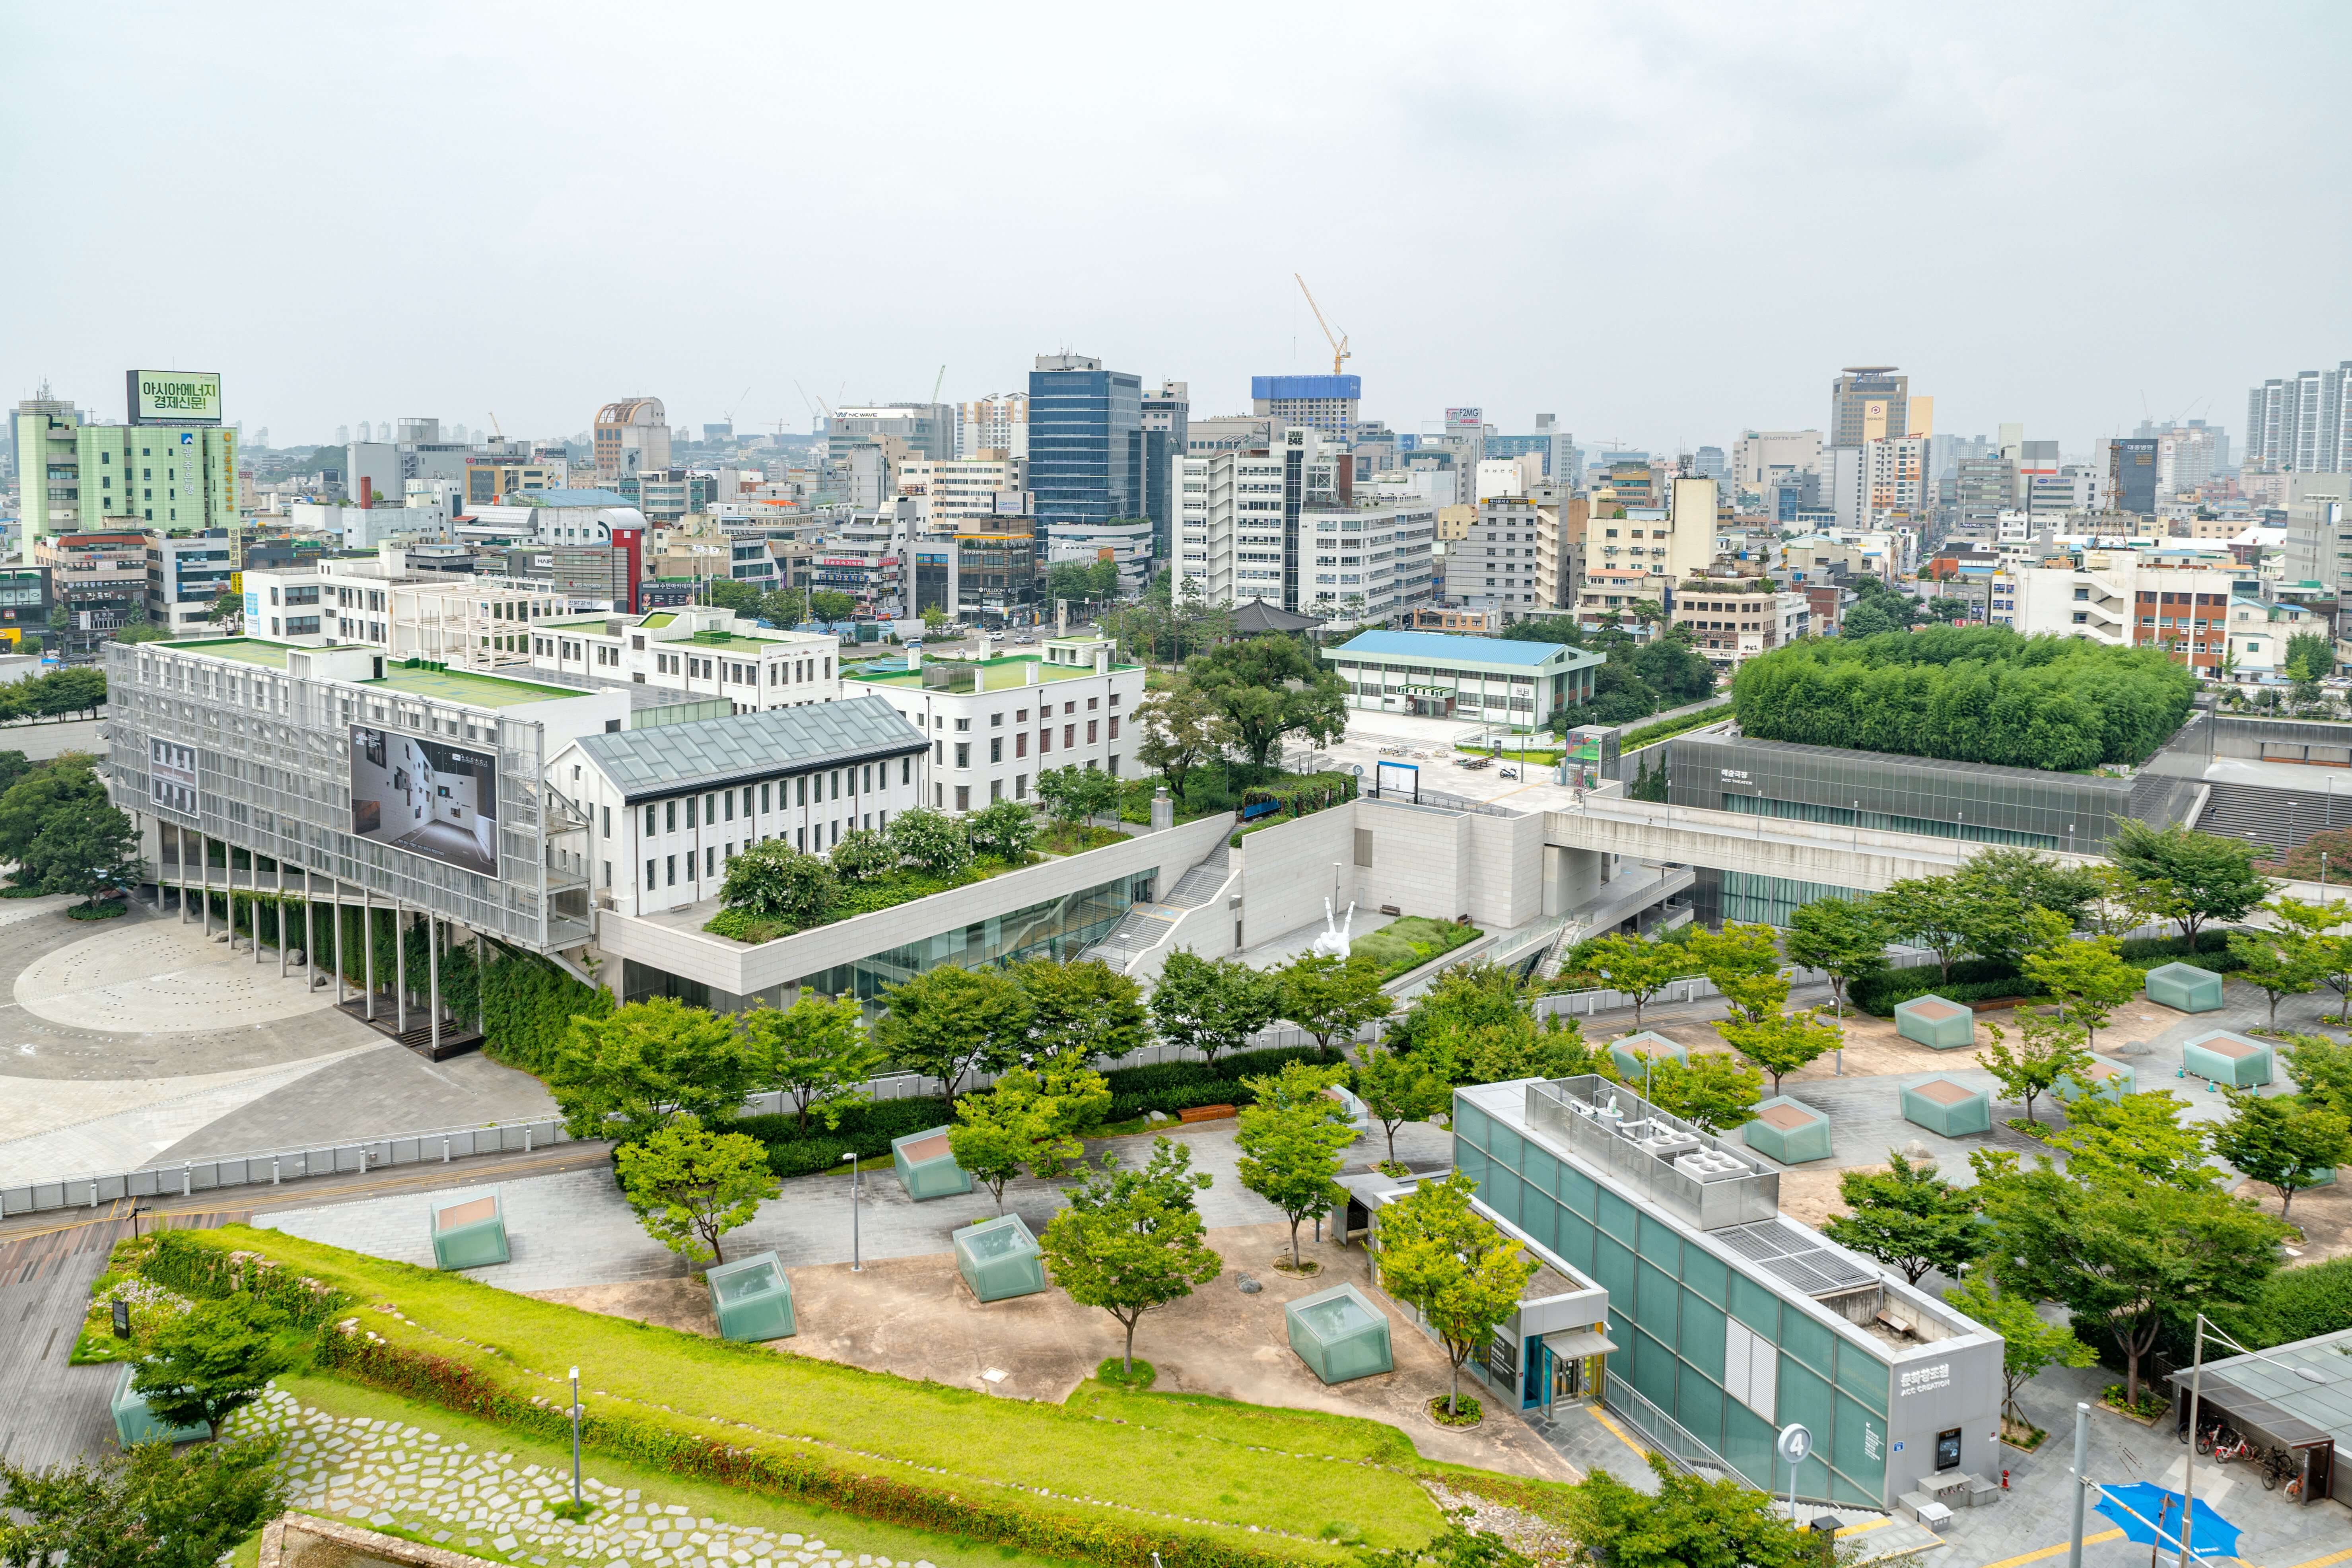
{"x": 1982, "y": 694}
{"x": 1666, "y": 729}
{"x": 1983, "y": 979}
{"x": 175, "y": 1259}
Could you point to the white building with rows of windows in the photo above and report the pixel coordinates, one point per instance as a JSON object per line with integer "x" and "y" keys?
{"x": 668, "y": 806}
{"x": 702, "y": 650}
{"x": 995, "y": 724}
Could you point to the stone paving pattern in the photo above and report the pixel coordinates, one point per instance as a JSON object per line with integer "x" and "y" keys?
{"x": 384, "y": 1474}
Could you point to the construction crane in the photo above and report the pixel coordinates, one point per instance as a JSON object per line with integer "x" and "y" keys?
{"x": 738, "y": 402}
{"x": 494, "y": 424}
{"x": 941, "y": 381}
{"x": 1339, "y": 341}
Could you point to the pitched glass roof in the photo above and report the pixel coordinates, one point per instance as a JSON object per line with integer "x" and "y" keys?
{"x": 674, "y": 757}
{"x": 1444, "y": 648}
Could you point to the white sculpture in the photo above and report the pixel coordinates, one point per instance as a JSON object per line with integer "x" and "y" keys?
{"x": 1334, "y": 940}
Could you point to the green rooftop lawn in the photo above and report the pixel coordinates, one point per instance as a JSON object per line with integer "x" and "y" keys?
{"x": 1234, "y": 1466}
{"x": 730, "y": 641}
{"x": 1001, "y": 674}
{"x": 468, "y": 687}
{"x": 658, "y": 618}
{"x": 240, "y": 650}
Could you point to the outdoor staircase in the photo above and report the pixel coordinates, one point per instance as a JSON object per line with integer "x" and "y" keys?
{"x": 1147, "y": 925}
{"x": 2281, "y": 818}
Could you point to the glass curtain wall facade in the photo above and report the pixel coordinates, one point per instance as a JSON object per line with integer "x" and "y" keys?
{"x": 1086, "y": 447}
{"x": 1059, "y": 928}
{"x": 1710, "y": 1336}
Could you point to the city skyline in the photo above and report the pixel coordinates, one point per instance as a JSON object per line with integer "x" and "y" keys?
{"x": 1683, "y": 245}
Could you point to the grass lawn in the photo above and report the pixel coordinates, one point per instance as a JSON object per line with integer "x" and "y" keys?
{"x": 703, "y": 1499}
{"x": 1210, "y": 1476}
{"x": 1408, "y": 943}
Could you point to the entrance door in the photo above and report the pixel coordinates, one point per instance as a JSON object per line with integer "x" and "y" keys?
{"x": 1537, "y": 1379}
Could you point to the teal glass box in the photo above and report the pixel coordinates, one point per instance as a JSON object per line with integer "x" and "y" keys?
{"x": 134, "y": 1423}
{"x": 2185, "y": 987}
{"x": 2234, "y": 1061}
{"x": 1936, "y": 1023}
{"x": 1788, "y": 1131}
{"x": 2109, "y": 1080}
{"x": 998, "y": 1258}
{"x": 925, "y": 1166}
{"x": 1939, "y": 1105}
{"x": 751, "y": 1298}
{"x": 1340, "y": 1334}
{"x": 469, "y": 1231}
{"x": 1648, "y": 1043}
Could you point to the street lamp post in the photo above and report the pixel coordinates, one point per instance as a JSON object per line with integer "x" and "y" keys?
{"x": 2196, "y": 1394}
{"x": 575, "y": 1439}
{"x": 856, "y": 1265}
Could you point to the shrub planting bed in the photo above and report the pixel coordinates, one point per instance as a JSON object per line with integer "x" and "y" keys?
{"x": 1408, "y": 943}
{"x": 1987, "y": 980}
{"x": 883, "y": 892}
{"x": 951, "y": 1461}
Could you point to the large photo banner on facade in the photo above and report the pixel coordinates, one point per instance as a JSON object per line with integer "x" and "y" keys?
{"x": 425, "y": 795}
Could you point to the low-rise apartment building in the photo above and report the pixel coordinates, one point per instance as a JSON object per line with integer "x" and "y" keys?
{"x": 1730, "y": 627}
{"x": 995, "y": 724}
{"x": 383, "y": 603}
{"x": 2121, "y": 598}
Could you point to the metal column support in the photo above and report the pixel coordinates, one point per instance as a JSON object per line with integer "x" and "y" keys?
{"x": 281, "y": 918}
{"x": 367, "y": 949}
{"x": 399, "y": 972}
{"x": 205, "y": 879}
{"x": 336, "y": 908}
{"x": 433, "y": 979}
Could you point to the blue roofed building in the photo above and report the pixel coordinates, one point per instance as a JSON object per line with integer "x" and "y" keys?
{"x": 1439, "y": 675}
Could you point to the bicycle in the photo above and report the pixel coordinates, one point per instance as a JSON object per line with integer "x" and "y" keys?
{"x": 2278, "y": 1465}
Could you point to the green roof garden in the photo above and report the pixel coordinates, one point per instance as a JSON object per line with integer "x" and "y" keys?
{"x": 658, "y": 618}
{"x": 1000, "y": 674}
{"x": 733, "y": 642}
{"x": 239, "y": 650}
{"x": 466, "y": 687}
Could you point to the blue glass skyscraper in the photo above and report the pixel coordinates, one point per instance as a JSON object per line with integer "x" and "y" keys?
{"x": 1085, "y": 442}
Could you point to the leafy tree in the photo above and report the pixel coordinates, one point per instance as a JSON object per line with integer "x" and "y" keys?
{"x": 933, "y": 618}
{"x": 1126, "y": 1249}
{"x": 1936, "y": 912}
{"x": 33, "y": 801}
{"x": 2309, "y": 657}
{"x": 2273, "y": 965}
{"x": 1638, "y": 968}
{"x": 2029, "y": 1345}
{"x": 213, "y": 1360}
{"x": 948, "y": 1021}
{"x": 2122, "y": 1250}
{"x": 642, "y": 1064}
{"x": 1713, "y": 1091}
{"x": 1845, "y": 939}
{"x": 1027, "y": 1120}
{"x": 1500, "y": 1053}
{"x": 1265, "y": 688}
{"x": 1461, "y": 996}
{"x": 932, "y": 841}
{"x": 863, "y": 855}
{"x": 783, "y": 607}
{"x": 1689, "y": 1523}
{"x": 227, "y": 605}
{"x": 14, "y": 765}
{"x": 2282, "y": 1143}
{"x": 1211, "y": 1004}
{"x": 144, "y": 1508}
{"x": 1073, "y": 795}
{"x": 2322, "y": 1070}
{"x": 1290, "y": 1142}
{"x": 830, "y": 604}
{"x": 2088, "y": 979}
{"x": 690, "y": 1185}
{"x": 1004, "y": 830}
{"x": 1452, "y": 1267}
{"x": 2033, "y": 880}
{"x": 1167, "y": 1178}
{"x": 1868, "y": 618}
{"x": 2212, "y": 876}
{"x": 1397, "y": 1088}
{"x": 1909, "y": 1218}
{"x": 2124, "y": 904}
{"x": 1330, "y": 997}
{"x": 1179, "y": 732}
{"x": 1781, "y": 1043}
{"x": 1081, "y": 1011}
{"x": 1743, "y": 962}
{"x": 86, "y": 847}
{"x": 2048, "y": 1049}
{"x": 775, "y": 881}
{"x": 2138, "y": 1137}
{"x": 728, "y": 594}
{"x": 814, "y": 1052}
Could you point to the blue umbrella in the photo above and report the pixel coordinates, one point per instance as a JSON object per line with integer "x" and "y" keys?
{"x": 2142, "y": 1508}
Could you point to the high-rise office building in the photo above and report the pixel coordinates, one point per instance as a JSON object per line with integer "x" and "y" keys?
{"x": 1707, "y": 463}
{"x": 2298, "y": 425}
{"x": 2131, "y": 475}
{"x": 1085, "y": 442}
{"x": 1326, "y": 404}
{"x": 1167, "y": 435}
{"x": 1239, "y": 535}
{"x": 1869, "y": 402}
{"x": 631, "y": 435}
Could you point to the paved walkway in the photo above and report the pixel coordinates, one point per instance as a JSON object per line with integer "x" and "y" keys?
{"x": 135, "y": 1041}
{"x": 374, "y": 1472}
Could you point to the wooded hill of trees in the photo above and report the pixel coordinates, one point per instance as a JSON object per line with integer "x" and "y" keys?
{"x": 1982, "y": 694}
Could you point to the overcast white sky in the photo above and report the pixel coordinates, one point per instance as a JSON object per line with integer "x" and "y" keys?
{"x": 1663, "y": 223}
